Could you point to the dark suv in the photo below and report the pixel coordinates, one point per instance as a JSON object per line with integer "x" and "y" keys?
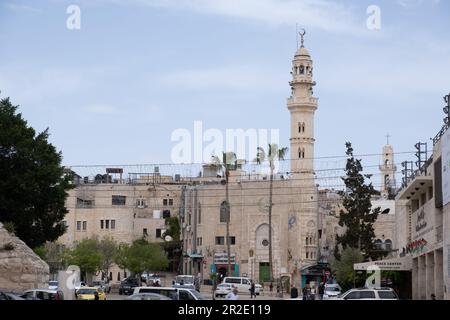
{"x": 127, "y": 286}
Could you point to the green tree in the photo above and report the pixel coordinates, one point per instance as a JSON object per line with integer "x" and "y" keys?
{"x": 227, "y": 163}
{"x": 108, "y": 249}
{"x": 54, "y": 254}
{"x": 343, "y": 268}
{"x": 358, "y": 217}
{"x": 274, "y": 153}
{"x": 173, "y": 245}
{"x": 32, "y": 185}
{"x": 86, "y": 255}
{"x": 141, "y": 256}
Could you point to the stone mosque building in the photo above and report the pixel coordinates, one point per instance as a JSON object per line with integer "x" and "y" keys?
{"x": 302, "y": 228}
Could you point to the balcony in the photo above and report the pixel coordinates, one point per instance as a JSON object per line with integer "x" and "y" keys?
{"x": 306, "y": 100}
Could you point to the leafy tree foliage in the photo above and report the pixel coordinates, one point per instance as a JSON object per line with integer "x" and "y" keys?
{"x": 343, "y": 268}
{"x": 32, "y": 185}
{"x": 86, "y": 255}
{"x": 141, "y": 256}
{"x": 358, "y": 217}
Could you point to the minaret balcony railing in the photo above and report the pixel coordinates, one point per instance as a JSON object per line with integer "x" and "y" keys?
{"x": 294, "y": 100}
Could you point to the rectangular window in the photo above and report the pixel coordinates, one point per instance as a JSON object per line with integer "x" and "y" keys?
{"x": 165, "y": 202}
{"x": 232, "y": 240}
{"x": 101, "y": 224}
{"x": 84, "y": 225}
{"x": 140, "y": 203}
{"x": 438, "y": 196}
{"x": 170, "y": 202}
{"x": 220, "y": 241}
{"x": 166, "y": 214}
{"x": 158, "y": 233}
{"x": 106, "y": 224}
{"x": 78, "y": 225}
{"x": 113, "y": 224}
{"x": 144, "y": 232}
{"x": 118, "y": 200}
{"x": 83, "y": 203}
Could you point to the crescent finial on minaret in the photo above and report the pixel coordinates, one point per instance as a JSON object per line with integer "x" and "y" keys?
{"x": 302, "y": 36}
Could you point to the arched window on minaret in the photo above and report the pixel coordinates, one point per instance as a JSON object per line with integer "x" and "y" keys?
{"x": 307, "y": 71}
{"x": 303, "y": 127}
{"x": 301, "y": 153}
{"x": 387, "y": 162}
{"x": 302, "y": 70}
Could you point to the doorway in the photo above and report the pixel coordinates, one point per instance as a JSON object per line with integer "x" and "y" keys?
{"x": 264, "y": 272}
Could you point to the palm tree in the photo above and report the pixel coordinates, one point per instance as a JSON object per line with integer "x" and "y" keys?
{"x": 227, "y": 163}
{"x": 274, "y": 153}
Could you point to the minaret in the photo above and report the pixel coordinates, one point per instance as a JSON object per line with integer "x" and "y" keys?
{"x": 388, "y": 169}
{"x": 303, "y": 242}
{"x": 302, "y": 106}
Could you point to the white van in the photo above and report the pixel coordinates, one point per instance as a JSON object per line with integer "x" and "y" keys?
{"x": 241, "y": 283}
{"x": 172, "y": 293}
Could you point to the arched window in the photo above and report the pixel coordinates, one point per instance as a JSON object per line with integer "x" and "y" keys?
{"x": 307, "y": 71}
{"x": 307, "y": 240}
{"x": 387, "y": 162}
{"x": 302, "y": 70}
{"x": 303, "y": 127}
{"x": 388, "y": 245}
{"x": 378, "y": 244}
{"x": 299, "y": 127}
{"x": 223, "y": 213}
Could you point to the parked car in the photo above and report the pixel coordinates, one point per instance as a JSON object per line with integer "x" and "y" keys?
{"x": 187, "y": 281}
{"x": 90, "y": 293}
{"x": 127, "y": 286}
{"x": 150, "y": 278}
{"x": 368, "y": 294}
{"x": 79, "y": 285}
{"x": 5, "y": 295}
{"x": 241, "y": 283}
{"x": 43, "y": 294}
{"x": 331, "y": 290}
{"x": 53, "y": 285}
{"x": 148, "y": 296}
{"x": 171, "y": 292}
{"x": 102, "y": 285}
{"x": 223, "y": 289}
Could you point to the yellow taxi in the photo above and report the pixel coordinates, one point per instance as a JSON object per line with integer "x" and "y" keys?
{"x": 90, "y": 293}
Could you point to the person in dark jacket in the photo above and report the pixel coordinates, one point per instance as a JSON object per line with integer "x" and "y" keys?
{"x": 306, "y": 292}
{"x": 252, "y": 290}
{"x": 294, "y": 292}
{"x": 321, "y": 290}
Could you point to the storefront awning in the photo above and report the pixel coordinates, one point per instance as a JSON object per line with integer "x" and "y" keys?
{"x": 397, "y": 264}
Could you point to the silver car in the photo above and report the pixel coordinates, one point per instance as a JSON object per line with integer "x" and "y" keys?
{"x": 332, "y": 290}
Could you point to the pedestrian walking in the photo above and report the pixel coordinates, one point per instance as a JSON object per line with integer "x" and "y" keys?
{"x": 306, "y": 292}
{"x": 294, "y": 292}
{"x": 321, "y": 290}
{"x": 271, "y": 288}
{"x": 252, "y": 290}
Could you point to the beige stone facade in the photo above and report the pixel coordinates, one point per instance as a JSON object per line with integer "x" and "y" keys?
{"x": 122, "y": 211}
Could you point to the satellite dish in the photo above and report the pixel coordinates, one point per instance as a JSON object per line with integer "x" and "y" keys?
{"x": 168, "y": 238}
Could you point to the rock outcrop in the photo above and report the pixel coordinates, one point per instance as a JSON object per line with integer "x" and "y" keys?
{"x": 20, "y": 268}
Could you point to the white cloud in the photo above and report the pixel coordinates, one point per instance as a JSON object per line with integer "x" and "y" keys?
{"x": 321, "y": 14}
{"x": 22, "y": 8}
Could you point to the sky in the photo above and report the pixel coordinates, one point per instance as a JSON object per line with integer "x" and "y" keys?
{"x": 114, "y": 91}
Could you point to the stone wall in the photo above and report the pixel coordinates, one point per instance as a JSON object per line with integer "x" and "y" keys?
{"x": 20, "y": 268}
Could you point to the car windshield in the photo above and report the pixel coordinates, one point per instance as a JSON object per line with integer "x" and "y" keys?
{"x": 184, "y": 279}
{"x": 87, "y": 291}
{"x": 335, "y": 289}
